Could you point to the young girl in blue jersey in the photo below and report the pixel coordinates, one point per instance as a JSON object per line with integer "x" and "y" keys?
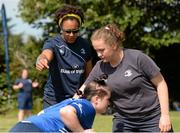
{"x": 70, "y": 115}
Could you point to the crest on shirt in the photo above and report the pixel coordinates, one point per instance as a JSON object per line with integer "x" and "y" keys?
{"x": 83, "y": 51}
{"x": 61, "y": 52}
{"x": 128, "y": 73}
{"x": 75, "y": 66}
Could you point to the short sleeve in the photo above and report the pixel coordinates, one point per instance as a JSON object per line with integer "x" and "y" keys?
{"x": 85, "y": 112}
{"x": 147, "y": 66}
{"x": 93, "y": 74}
{"x": 78, "y": 107}
{"x": 48, "y": 44}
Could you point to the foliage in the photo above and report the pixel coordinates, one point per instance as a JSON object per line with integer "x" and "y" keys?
{"x": 6, "y": 100}
{"x": 147, "y": 24}
{"x": 5, "y": 96}
{"x": 21, "y": 55}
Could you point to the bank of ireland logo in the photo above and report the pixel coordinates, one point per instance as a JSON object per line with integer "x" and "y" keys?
{"x": 83, "y": 51}
{"x": 127, "y": 73}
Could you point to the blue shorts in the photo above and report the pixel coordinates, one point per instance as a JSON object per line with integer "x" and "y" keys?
{"x": 25, "y": 127}
{"x": 25, "y": 103}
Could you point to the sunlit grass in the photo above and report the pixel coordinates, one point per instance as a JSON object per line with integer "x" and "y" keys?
{"x": 103, "y": 123}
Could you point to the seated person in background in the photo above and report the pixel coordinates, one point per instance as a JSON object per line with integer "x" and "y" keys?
{"x": 70, "y": 115}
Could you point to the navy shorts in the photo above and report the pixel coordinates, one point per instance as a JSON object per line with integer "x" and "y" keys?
{"x": 148, "y": 124}
{"x": 25, "y": 127}
{"x": 25, "y": 103}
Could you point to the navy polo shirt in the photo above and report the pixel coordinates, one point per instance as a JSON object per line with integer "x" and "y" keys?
{"x": 66, "y": 70}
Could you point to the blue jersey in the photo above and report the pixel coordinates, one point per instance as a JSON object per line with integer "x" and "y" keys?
{"x": 49, "y": 120}
{"x": 66, "y": 72}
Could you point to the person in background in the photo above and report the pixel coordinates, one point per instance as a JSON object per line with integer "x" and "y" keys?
{"x": 70, "y": 115}
{"x": 176, "y": 105}
{"x": 67, "y": 56}
{"x": 25, "y": 101}
{"x": 139, "y": 91}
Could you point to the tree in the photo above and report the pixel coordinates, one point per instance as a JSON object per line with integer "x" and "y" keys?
{"x": 149, "y": 25}
{"x": 21, "y": 55}
{"x": 4, "y": 88}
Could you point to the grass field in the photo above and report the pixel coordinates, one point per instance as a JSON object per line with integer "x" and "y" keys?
{"x": 103, "y": 123}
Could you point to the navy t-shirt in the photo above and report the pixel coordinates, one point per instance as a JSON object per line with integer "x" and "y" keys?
{"x": 26, "y": 90}
{"x": 66, "y": 70}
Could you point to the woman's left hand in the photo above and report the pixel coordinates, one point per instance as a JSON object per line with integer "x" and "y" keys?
{"x": 165, "y": 123}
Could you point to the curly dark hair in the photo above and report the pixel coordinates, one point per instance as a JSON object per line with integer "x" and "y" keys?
{"x": 69, "y": 9}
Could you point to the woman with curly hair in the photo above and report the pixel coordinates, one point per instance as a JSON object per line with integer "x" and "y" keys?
{"x": 67, "y": 56}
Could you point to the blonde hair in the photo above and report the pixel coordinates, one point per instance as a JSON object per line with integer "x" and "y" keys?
{"x": 110, "y": 34}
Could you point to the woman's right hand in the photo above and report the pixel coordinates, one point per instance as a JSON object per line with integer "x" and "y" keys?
{"x": 44, "y": 59}
{"x": 42, "y": 63}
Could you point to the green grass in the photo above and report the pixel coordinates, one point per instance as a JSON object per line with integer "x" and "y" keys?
{"x": 103, "y": 123}
{"x": 175, "y": 117}
{"x": 7, "y": 120}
